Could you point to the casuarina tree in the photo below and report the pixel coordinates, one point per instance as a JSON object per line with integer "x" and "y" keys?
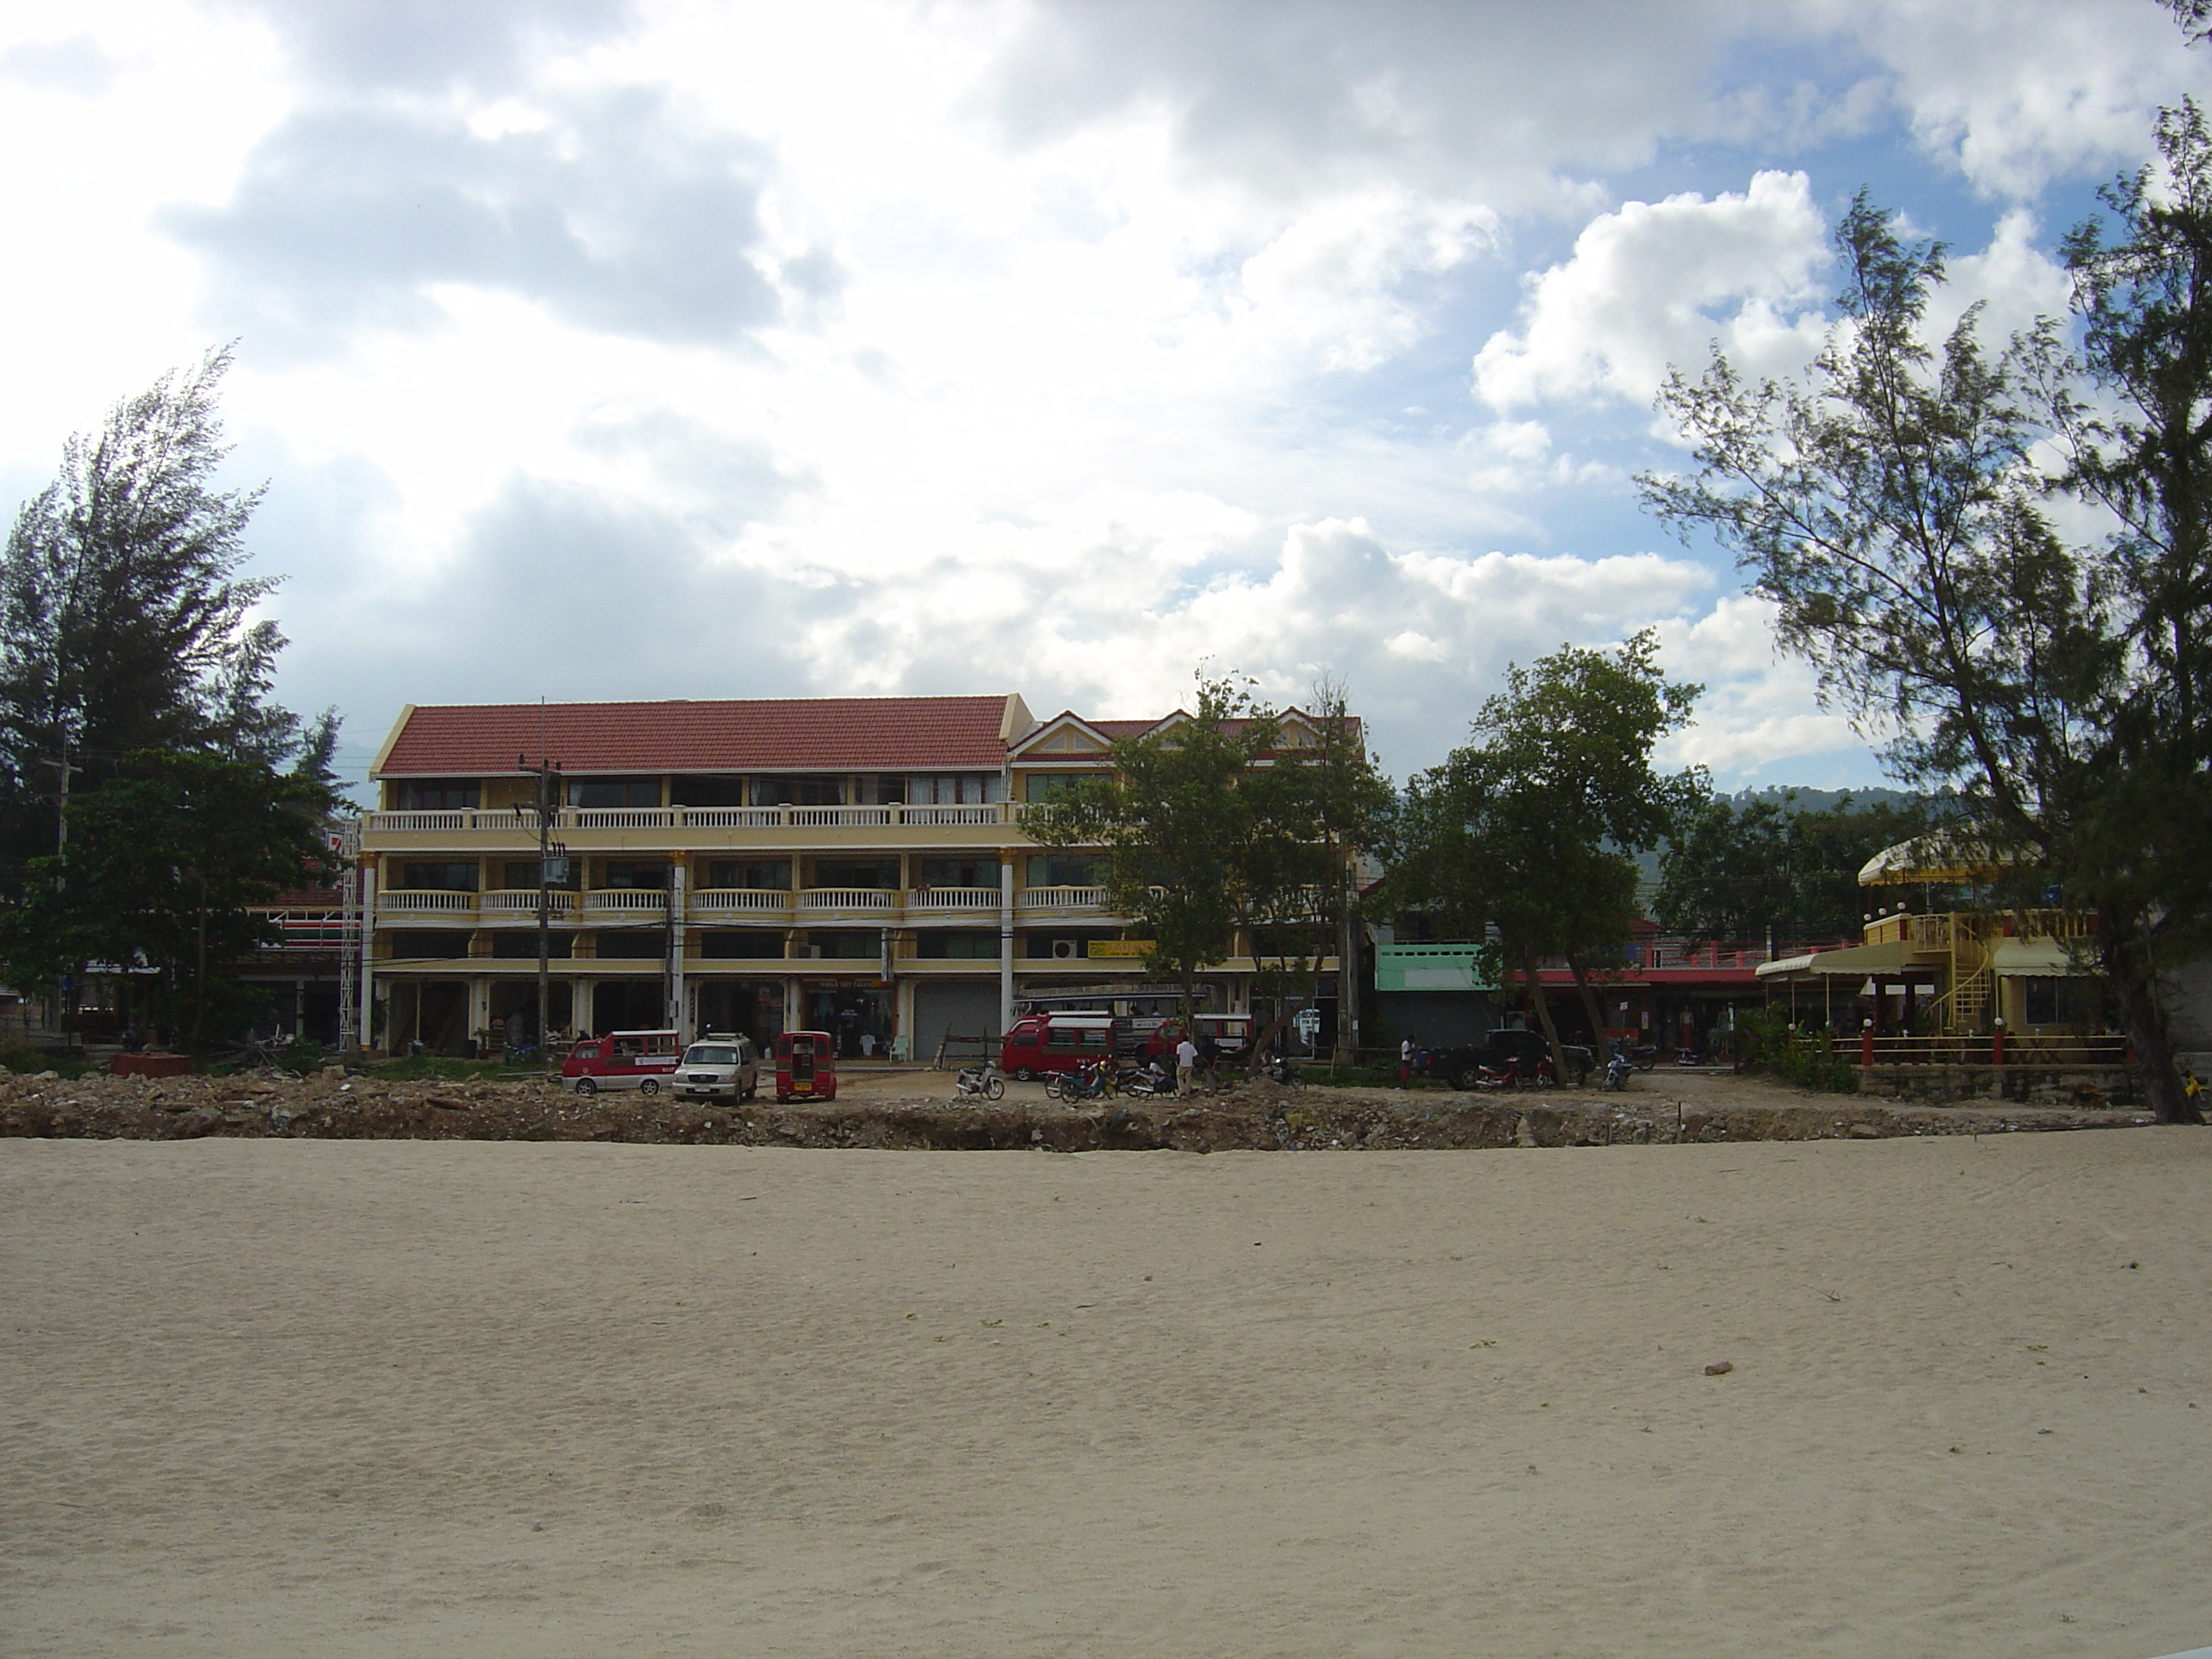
{"x": 1894, "y": 507}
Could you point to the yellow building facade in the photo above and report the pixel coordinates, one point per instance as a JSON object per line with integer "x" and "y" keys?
{"x": 858, "y": 866}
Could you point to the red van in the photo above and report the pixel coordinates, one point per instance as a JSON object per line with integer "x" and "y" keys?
{"x": 806, "y": 1066}
{"x": 642, "y": 1061}
{"x": 1037, "y": 1043}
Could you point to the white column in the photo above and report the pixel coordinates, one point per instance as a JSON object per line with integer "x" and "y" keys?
{"x": 1005, "y": 944}
{"x": 794, "y": 1008}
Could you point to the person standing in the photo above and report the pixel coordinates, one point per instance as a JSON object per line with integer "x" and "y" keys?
{"x": 1209, "y": 1063}
{"x": 1405, "y": 1052}
{"x": 1186, "y": 1064}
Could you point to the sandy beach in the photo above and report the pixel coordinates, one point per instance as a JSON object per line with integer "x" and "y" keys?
{"x": 368, "y": 1398}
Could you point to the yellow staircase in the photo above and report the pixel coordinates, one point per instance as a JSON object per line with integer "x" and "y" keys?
{"x": 1965, "y": 1008}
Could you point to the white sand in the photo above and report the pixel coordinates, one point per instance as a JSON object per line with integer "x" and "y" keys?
{"x": 454, "y": 1400}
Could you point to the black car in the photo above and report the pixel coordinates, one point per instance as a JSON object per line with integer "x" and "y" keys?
{"x": 1459, "y": 1066}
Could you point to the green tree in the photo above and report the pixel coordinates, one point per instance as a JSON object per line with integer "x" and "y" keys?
{"x": 124, "y": 624}
{"x": 1744, "y": 871}
{"x": 1216, "y": 828}
{"x": 166, "y": 860}
{"x": 1893, "y": 510}
{"x": 1533, "y": 828}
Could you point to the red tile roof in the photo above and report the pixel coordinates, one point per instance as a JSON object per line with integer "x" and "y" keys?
{"x": 814, "y": 734}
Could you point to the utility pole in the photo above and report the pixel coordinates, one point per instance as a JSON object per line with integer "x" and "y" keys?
{"x": 65, "y": 994}
{"x": 547, "y": 806}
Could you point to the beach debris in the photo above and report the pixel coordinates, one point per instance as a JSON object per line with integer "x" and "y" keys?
{"x": 1720, "y": 1367}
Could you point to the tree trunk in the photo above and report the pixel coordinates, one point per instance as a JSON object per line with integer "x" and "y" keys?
{"x": 2135, "y": 984}
{"x": 1590, "y": 1008}
{"x": 1544, "y": 1019}
{"x": 199, "y": 971}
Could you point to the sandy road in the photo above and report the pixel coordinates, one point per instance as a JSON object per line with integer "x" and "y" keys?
{"x": 271, "y": 1397}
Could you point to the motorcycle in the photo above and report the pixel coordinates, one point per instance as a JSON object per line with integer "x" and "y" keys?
{"x": 985, "y": 1080}
{"x": 1617, "y": 1068}
{"x": 1150, "y": 1084}
{"x": 1083, "y": 1083}
{"x": 1281, "y": 1070}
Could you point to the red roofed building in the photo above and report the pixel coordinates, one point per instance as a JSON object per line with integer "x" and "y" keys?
{"x": 856, "y": 864}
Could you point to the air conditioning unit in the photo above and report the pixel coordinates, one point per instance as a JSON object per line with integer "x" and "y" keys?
{"x": 1066, "y": 948}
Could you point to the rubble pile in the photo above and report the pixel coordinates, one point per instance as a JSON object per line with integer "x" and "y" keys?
{"x": 336, "y": 1105}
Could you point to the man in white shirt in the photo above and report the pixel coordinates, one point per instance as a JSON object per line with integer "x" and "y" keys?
{"x": 1186, "y": 1064}
{"x": 1405, "y": 1053}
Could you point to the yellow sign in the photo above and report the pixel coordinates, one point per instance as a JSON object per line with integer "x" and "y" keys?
{"x": 1119, "y": 947}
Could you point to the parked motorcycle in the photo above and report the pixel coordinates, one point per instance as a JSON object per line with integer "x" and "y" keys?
{"x": 1152, "y": 1082}
{"x": 1618, "y": 1065}
{"x": 1085, "y": 1083}
{"x": 1281, "y": 1070}
{"x": 985, "y": 1080}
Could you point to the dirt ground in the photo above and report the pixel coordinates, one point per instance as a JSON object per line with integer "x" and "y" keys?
{"x": 277, "y": 1396}
{"x": 916, "y": 1108}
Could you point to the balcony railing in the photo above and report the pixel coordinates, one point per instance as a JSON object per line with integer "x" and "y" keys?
{"x": 883, "y": 899}
{"x": 424, "y": 901}
{"x": 509, "y": 821}
{"x": 1061, "y": 898}
{"x": 523, "y": 901}
{"x": 626, "y": 900}
{"x": 953, "y": 898}
{"x": 707, "y": 904}
{"x": 741, "y": 901}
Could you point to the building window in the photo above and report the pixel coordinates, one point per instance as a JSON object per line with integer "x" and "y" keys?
{"x": 707, "y": 792}
{"x": 438, "y": 878}
{"x": 614, "y": 792}
{"x": 879, "y": 789}
{"x": 636, "y": 873}
{"x": 798, "y": 792}
{"x": 954, "y": 788}
{"x": 1067, "y": 870}
{"x": 435, "y": 794}
{"x": 521, "y": 874}
{"x": 1043, "y": 785}
{"x": 430, "y": 943}
{"x": 966, "y": 947}
{"x": 2056, "y": 1001}
{"x": 762, "y": 875}
{"x": 881, "y": 875}
{"x": 741, "y": 946}
{"x": 849, "y": 945}
{"x": 512, "y": 942}
{"x": 957, "y": 873}
{"x": 633, "y": 944}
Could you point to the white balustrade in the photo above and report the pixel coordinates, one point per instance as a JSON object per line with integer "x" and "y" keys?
{"x": 627, "y": 899}
{"x": 1061, "y": 898}
{"x": 732, "y": 818}
{"x": 418, "y": 820}
{"x": 840, "y": 817}
{"x": 621, "y": 817}
{"x": 947, "y": 815}
{"x": 523, "y": 901}
{"x": 847, "y": 898}
{"x": 753, "y": 900}
{"x": 953, "y": 898}
{"x": 424, "y": 901}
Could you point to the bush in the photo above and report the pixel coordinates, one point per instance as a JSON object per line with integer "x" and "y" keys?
{"x": 1769, "y": 1043}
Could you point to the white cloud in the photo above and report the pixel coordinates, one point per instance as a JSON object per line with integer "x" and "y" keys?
{"x": 1656, "y": 282}
{"x": 1054, "y": 346}
{"x": 1759, "y": 718}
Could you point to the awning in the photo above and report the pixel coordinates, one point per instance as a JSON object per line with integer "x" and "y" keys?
{"x": 2038, "y": 958}
{"x": 1853, "y": 961}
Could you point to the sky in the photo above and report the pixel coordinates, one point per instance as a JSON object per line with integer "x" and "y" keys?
{"x": 594, "y": 350}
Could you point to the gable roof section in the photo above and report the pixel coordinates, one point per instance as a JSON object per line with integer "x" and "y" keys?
{"x": 810, "y": 734}
{"x": 1047, "y": 739}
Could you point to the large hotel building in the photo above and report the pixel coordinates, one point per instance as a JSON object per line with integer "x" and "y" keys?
{"x": 851, "y": 865}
